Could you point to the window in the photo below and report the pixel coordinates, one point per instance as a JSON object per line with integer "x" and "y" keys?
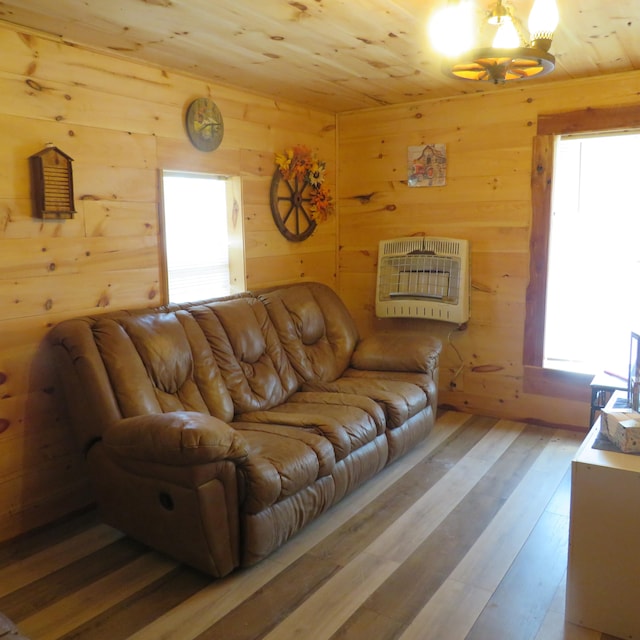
{"x": 594, "y": 254}
{"x": 202, "y": 236}
{"x": 538, "y": 380}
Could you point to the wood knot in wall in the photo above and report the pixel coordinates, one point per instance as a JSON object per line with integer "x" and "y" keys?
{"x": 364, "y": 198}
{"x": 487, "y": 368}
{"x": 104, "y": 301}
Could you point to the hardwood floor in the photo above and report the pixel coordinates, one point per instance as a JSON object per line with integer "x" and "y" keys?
{"x": 464, "y": 538}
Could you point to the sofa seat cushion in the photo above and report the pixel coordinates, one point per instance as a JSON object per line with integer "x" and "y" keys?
{"x": 276, "y": 468}
{"x": 399, "y": 400}
{"x": 317, "y": 443}
{"x": 344, "y": 400}
{"x": 346, "y": 427}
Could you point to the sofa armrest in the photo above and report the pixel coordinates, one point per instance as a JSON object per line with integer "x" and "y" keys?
{"x": 397, "y": 352}
{"x": 176, "y": 438}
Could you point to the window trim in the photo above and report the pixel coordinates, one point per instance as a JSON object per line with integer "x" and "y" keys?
{"x": 537, "y": 379}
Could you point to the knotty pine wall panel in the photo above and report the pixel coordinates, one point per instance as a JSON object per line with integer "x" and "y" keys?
{"x": 122, "y": 123}
{"x": 487, "y": 199}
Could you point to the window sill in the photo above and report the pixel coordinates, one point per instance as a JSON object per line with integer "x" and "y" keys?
{"x": 558, "y": 384}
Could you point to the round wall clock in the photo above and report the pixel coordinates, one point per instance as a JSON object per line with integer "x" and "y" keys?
{"x": 205, "y": 126}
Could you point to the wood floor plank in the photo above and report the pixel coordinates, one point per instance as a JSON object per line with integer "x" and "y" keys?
{"x": 196, "y": 614}
{"x": 271, "y": 603}
{"x": 487, "y": 562}
{"x": 527, "y": 592}
{"x": 554, "y": 626}
{"x": 425, "y": 515}
{"x": 368, "y": 624}
{"x": 495, "y": 550}
{"x": 47, "y": 561}
{"x": 322, "y": 614}
{"x": 81, "y": 573}
{"x": 449, "y": 614}
{"x": 434, "y": 560}
{"x": 44, "y": 538}
{"x": 518, "y": 607}
{"x": 143, "y": 607}
{"x": 81, "y": 606}
{"x": 371, "y": 520}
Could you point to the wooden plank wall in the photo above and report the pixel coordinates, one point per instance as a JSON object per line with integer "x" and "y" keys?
{"x": 487, "y": 199}
{"x": 120, "y": 122}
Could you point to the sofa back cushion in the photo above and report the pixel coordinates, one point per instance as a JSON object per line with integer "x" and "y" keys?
{"x": 129, "y": 379}
{"x": 251, "y": 358}
{"x": 161, "y": 362}
{"x": 315, "y": 328}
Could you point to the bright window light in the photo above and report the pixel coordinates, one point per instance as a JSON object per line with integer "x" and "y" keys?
{"x": 196, "y": 236}
{"x": 594, "y": 254}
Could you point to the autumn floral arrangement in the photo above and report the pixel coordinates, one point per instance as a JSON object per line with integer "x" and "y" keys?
{"x": 300, "y": 164}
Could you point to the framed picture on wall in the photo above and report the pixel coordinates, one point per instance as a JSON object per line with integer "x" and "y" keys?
{"x": 427, "y": 165}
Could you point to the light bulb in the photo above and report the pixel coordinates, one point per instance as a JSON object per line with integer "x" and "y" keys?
{"x": 507, "y": 36}
{"x": 451, "y": 29}
{"x": 543, "y": 19}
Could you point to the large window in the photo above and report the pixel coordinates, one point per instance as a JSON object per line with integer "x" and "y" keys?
{"x": 594, "y": 253}
{"x": 203, "y": 236}
{"x": 537, "y": 378}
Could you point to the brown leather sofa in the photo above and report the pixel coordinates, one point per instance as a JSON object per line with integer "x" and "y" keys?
{"x": 214, "y": 431}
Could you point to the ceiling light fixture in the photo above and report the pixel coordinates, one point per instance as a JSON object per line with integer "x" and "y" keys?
{"x": 510, "y": 56}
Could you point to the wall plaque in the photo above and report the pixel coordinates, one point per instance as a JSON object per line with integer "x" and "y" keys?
{"x": 52, "y": 184}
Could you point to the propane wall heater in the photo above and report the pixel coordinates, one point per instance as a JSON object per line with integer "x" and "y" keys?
{"x": 423, "y": 277}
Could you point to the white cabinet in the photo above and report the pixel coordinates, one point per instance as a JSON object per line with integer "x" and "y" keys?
{"x": 603, "y": 580}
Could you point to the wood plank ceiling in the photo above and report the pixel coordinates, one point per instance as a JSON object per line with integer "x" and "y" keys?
{"x": 335, "y": 55}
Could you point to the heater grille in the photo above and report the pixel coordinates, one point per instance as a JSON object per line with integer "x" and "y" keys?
{"x": 423, "y": 278}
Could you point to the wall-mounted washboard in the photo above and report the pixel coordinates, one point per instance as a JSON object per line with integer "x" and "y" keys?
{"x": 423, "y": 278}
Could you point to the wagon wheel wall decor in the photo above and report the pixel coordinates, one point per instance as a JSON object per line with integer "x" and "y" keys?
{"x": 290, "y": 206}
{"x": 300, "y": 199}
